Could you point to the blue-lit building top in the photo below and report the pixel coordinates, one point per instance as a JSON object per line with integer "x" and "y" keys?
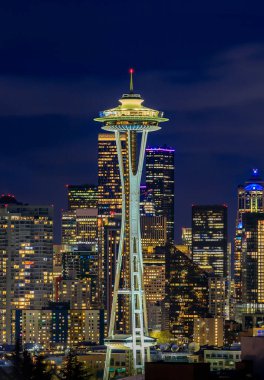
{"x": 251, "y": 195}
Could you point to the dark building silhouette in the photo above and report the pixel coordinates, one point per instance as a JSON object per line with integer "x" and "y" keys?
{"x": 187, "y": 290}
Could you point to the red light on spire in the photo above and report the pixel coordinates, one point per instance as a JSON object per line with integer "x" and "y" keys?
{"x": 131, "y": 86}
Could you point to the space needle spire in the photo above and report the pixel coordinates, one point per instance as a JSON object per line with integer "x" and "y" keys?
{"x": 132, "y": 119}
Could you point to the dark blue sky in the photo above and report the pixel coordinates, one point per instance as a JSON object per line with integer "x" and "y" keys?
{"x": 61, "y": 62}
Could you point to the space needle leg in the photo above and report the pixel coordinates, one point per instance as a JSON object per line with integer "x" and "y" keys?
{"x": 119, "y": 259}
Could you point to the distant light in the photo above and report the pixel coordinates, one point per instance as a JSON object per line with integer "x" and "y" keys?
{"x": 131, "y": 71}
{"x": 255, "y": 171}
{"x": 160, "y": 150}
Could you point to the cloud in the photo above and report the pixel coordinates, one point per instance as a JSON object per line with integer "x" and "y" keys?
{"x": 229, "y": 79}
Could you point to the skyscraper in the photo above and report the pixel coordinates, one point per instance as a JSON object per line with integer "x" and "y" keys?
{"x": 127, "y": 120}
{"x": 153, "y": 233}
{"x": 80, "y": 226}
{"x": 187, "y": 290}
{"x": 250, "y": 199}
{"x": 160, "y": 179}
{"x": 108, "y": 240}
{"x": 82, "y": 196}
{"x": 80, "y": 263}
{"x": 26, "y": 250}
{"x": 109, "y": 184}
{"x": 209, "y": 238}
{"x": 147, "y": 205}
{"x": 68, "y": 227}
{"x": 187, "y": 237}
{"x": 154, "y": 285}
{"x": 253, "y": 260}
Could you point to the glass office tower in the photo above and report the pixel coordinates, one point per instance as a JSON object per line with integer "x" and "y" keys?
{"x": 109, "y": 183}
{"x": 160, "y": 180}
{"x": 209, "y": 238}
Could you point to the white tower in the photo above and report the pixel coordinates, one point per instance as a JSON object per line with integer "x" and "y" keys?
{"x": 130, "y": 118}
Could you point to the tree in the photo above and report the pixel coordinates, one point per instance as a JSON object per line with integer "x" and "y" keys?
{"x": 22, "y": 363}
{"x": 40, "y": 371}
{"x": 27, "y": 366}
{"x": 162, "y": 337}
{"x": 73, "y": 369}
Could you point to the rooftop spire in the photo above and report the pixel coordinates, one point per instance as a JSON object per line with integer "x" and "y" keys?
{"x": 131, "y": 87}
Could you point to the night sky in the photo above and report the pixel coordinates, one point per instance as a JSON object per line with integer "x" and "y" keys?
{"x": 61, "y": 62}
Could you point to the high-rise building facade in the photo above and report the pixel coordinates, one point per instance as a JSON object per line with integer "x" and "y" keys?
{"x": 80, "y": 226}
{"x": 209, "y": 331}
{"x": 75, "y": 291}
{"x": 154, "y": 285}
{"x": 26, "y": 251}
{"x": 79, "y": 275}
{"x": 147, "y": 204}
{"x": 153, "y": 233}
{"x": 187, "y": 290}
{"x": 108, "y": 240}
{"x": 160, "y": 179}
{"x": 250, "y": 198}
{"x": 109, "y": 184}
{"x": 59, "y": 326}
{"x": 209, "y": 238}
{"x": 82, "y": 196}
{"x": 68, "y": 227}
{"x": 253, "y": 260}
{"x": 217, "y": 296}
{"x": 187, "y": 237}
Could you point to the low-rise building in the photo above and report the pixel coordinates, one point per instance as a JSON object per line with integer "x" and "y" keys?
{"x": 225, "y": 359}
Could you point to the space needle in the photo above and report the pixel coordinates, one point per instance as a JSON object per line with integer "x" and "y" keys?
{"x": 135, "y": 121}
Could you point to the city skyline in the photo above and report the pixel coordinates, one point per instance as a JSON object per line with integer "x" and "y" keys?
{"x": 125, "y": 252}
{"x": 231, "y": 216}
{"x": 207, "y": 78}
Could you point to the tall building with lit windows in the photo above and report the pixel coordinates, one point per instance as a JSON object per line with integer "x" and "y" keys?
{"x": 80, "y": 226}
{"x": 209, "y": 331}
{"x": 250, "y": 198}
{"x": 80, "y": 273}
{"x": 109, "y": 184}
{"x": 153, "y": 233}
{"x": 26, "y": 251}
{"x": 160, "y": 179}
{"x": 108, "y": 240}
{"x": 209, "y": 238}
{"x": 253, "y": 261}
{"x": 82, "y": 196}
{"x": 154, "y": 285}
{"x": 187, "y": 292}
{"x": 147, "y": 205}
{"x": 187, "y": 237}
